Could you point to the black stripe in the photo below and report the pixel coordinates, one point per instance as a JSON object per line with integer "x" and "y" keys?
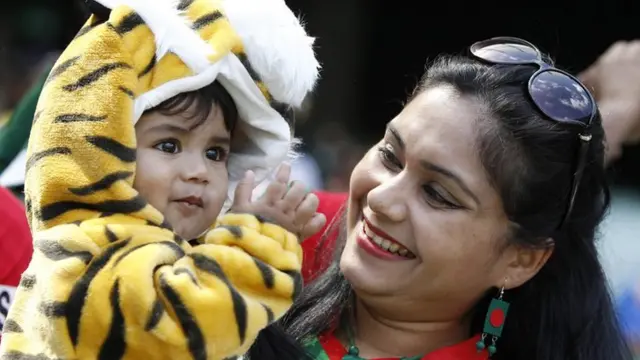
{"x": 17, "y": 355}
{"x": 129, "y": 23}
{"x": 212, "y": 267}
{"x": 27, "y": 207}
{"x": 170, "y": 244}
{"x": 56, "y": 209}
{"x": 53, "y": 309}
{"x": 95, "y": 75}
{"x": 188, "y": 273}
{"x": 127, "y": 91}
{"x": 60, "y": 69}
{"x": 78, "y": 295}
{"x": 111, "y": 237}
{"x": 297, "y": 282}
{"x": 114, "y": 346}
{"x": 83, "y": 31}
{"x": 86, "y": 29}
{"x": 178, "y": 239}
{"x": 78, "y": 117}
{"x": 247, "y": 65}
{"x": 36, "y": 116}
{"x": 53, "y": 250}
{"x": 184, "y": 4}
{"x": 27, "y": 281}
{"x": 61, "y": 150}
{"x": 147, "y": 69}
{"x": 270, "y": 316}
{"x": 235, "y": 230}
{"x": 190, "y": 328}
{"x": 264, "y": 220}
{"x": 267, "y": 273}
{"x": 10, "y": 326}
{"x": 101, "y": 184}
{"x": 206, "y": 19}
{"x": 156, "y": 314}
{"x": 95, "y": 22}
{"x": 165, "y": 225}
{"x": 113, "y": 147}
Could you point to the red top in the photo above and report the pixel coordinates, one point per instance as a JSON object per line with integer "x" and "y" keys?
{"x": 15, "y": 239}
{"x": 315, "y": 260}
{"x": 465, "y": 350}
{"x": 16, "y": 248}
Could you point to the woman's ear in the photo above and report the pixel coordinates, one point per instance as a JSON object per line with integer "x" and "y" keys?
{"x": 526, "y": 262}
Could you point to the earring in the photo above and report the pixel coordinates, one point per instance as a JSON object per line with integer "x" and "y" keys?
{"x": 494, "y": 322}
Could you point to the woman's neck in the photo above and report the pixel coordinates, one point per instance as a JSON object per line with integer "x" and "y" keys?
{"x": 377, "y": 335}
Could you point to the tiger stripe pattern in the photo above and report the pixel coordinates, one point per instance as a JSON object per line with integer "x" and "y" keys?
{"x": 109, "y": 279}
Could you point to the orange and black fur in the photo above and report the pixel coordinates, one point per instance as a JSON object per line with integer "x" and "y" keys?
{"x": 109, "y": 279}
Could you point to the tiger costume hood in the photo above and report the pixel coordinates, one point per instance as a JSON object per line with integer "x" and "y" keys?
{"x": 109, "y": 279}
{"x": 133, "y": 54}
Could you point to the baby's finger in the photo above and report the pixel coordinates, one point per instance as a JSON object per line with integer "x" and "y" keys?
{"x": 274, "y": 193}
{"x": 284, "y": 173}
{"x": 305, "y": 211}
{"x": 314, "y": 225}
{"x": 242, "y": 195}
{"x": 294, "y": 197}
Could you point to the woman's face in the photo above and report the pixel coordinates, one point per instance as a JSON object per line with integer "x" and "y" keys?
{"x": 426, "y": 228}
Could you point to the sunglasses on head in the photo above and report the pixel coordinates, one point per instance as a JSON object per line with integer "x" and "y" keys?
{"x": 557, "y": 94}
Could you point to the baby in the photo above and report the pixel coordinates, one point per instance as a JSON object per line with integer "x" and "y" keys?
{"x": 183, "y": 147}
{"x": 143, "y": 133}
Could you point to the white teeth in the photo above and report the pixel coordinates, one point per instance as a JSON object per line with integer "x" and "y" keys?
{"x": 385, "y": 244}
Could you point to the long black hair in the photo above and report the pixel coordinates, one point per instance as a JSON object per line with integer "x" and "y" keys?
{"x": 565, "y": 312}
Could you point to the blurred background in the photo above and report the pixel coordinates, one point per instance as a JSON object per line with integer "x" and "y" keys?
{"x": 372, "y": 54}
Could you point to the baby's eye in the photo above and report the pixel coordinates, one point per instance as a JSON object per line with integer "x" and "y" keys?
{"x": 168, "y": 146}
{"x": 217, "y": 154}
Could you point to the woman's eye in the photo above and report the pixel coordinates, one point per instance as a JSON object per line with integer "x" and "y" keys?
{"x": 168, "y": 146}
{"x": 388, "y": 158}
{"x": 436, "y": 199}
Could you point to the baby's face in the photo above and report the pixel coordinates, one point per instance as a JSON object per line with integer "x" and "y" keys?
{"x": 182, "y": 169}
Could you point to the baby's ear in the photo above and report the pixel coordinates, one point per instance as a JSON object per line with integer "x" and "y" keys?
{"x": 100, "y": 11}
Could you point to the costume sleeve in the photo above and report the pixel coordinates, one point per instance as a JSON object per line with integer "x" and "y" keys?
{"x": 109, "y": 288}
{"x": 109, "y": 279}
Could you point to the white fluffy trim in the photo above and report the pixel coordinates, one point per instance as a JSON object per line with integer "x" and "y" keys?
{"x": 277, "y": 46}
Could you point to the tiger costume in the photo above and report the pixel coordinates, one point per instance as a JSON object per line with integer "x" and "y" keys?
{"x": 109, "y": 279}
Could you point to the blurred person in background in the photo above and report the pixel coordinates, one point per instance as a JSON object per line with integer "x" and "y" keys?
{"x": 15, "y": 249}
{"x": 615, "y": 81}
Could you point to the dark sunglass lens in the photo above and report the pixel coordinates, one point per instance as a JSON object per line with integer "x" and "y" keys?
{"x": 560, "y": 97}
{"x": 506, "y": 53}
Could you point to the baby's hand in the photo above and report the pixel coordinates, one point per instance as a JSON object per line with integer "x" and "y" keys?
{"x": 289, "y": 205}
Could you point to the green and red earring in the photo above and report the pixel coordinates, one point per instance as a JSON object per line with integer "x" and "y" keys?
{"x": 494, "y": 323}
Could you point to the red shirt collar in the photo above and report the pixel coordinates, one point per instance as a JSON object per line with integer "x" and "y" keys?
{"x": 465, "y": 350}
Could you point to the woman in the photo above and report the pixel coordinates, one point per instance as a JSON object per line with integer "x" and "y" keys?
{"x": 470, "y": 227}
